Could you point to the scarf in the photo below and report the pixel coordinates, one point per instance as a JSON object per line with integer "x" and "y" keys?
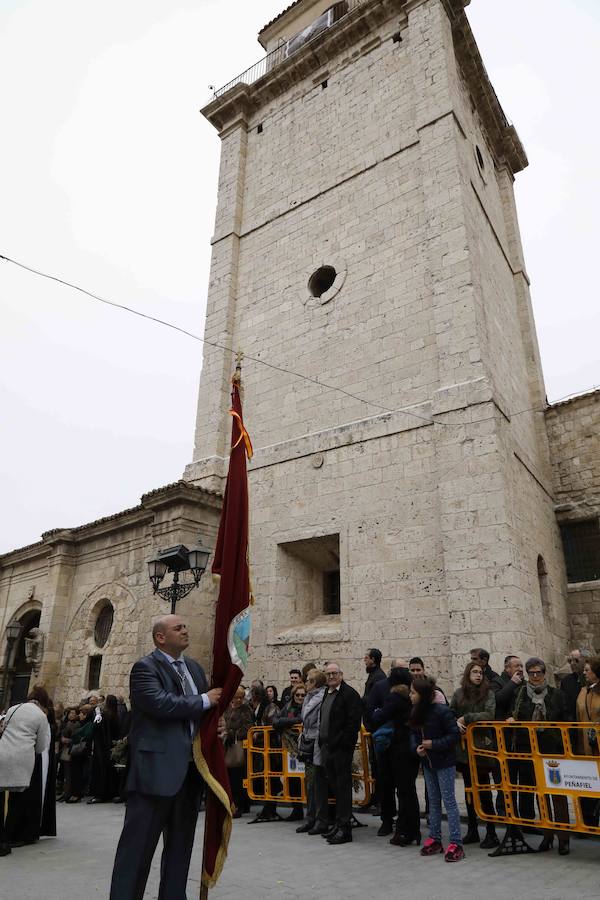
{"x": 537, "y": 695}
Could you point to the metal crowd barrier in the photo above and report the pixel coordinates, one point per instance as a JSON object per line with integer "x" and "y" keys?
{"x": 546, "y": 776}
{"x": 274, "y": 773}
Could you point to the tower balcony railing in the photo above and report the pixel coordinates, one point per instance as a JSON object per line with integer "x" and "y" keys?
{"x": 328, "y": 19}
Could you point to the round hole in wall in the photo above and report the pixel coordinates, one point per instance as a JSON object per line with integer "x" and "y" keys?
{"x": 321, "y": 280}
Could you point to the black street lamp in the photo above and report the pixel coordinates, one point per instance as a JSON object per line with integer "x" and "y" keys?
{"x": 177, "y": 559}
{"x": 13, "y": 633}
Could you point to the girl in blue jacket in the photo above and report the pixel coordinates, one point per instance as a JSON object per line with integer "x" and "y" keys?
{"x": 434, "y": 735}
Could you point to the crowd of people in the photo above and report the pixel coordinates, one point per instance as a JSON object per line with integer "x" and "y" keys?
{"x": 52, "y": 754}
{"x": 414, "y": 728}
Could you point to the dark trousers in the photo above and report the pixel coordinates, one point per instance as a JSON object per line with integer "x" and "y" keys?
{"x": 238, "y": 792}
{"x": 335, "y": 775}
{"x": 405, "y": 768}
{"x": 146, "y": 818}
{"x": 521, "y": 771}
{"x": 487, "y": 803}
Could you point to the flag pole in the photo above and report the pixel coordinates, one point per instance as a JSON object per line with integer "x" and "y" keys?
{"x": 211, "y": 799}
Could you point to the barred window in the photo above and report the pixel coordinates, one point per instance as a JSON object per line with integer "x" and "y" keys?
{"x": 581, "y": 544}
{"x": 103, "y": 625}
{"x": 331, "y": 593}
{"x": 95, "y": 666}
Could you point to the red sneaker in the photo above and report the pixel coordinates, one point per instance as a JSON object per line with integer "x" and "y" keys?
{"x": 454, "y": 853}
{"x": 431, "y": 847}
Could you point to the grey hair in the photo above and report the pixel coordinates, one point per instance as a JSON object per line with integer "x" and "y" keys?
{"x": 535, "y": 661}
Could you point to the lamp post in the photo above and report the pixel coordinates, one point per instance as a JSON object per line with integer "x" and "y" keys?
{"x": 13, "y": 632}
{"x": 177, "y": 559}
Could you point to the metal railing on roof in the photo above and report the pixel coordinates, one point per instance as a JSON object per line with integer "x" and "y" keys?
{"x": 330, "y": 17}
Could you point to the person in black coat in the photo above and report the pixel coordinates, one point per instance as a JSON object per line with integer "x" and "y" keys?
{"x": 104, "y": 780}
{"x": 169, "y": 695}
{"x": 571, "y": 684}
{"x": 398, "y": 765}
{"x": 511, "y": 679}
{"x": 339, "y": 724}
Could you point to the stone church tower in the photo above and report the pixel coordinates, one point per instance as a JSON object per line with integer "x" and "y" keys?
{"x": 366, "y": 237}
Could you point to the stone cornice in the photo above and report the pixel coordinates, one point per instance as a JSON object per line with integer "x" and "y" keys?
{"x": 239, "y": 103}
{"x": 163, "y": 497}
{"x": 502, "y": 135}
{"x": 244, "y": 99}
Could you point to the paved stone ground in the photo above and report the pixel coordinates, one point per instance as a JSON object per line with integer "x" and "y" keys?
{"x": 271, "y": 861}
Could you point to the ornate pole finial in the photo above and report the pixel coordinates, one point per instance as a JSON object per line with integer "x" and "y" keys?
{"x": 237, "y": 377}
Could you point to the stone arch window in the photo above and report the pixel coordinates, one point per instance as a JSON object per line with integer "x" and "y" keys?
{"x": 542, "y": 574}
{"x": 104, "y": 623}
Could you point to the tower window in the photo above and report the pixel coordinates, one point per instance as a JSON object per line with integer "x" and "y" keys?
{"x": 581, "y": 544}
{"x": 103, "y": 625}
{"x": 95, "y": 665}
{"x": 324, "y": 84}
{"x": 259, "y": 129}
{"x": 321, "y": 280}
{"x": 397, "y": 38}
{"x": 479, "y": 157}
{"x": 331, "y": 593}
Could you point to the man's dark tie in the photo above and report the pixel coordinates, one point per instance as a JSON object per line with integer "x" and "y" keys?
{"x": 185, "y": 685}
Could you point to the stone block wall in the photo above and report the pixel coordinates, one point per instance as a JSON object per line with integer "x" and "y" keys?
{"x": 574, "y": 434}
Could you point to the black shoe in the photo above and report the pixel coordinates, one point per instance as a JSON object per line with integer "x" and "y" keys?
{"x": 404, "y": 840}
{"x": 546, "y": 844}
{"x": 384, "y": 830}
{"x": 490, "y": 840}
{"x": 318, "y": 829}
{"x": 5, "y": 849}
{"x": 472, "y": 836}
{"x": 329, "y": 831}
{"x": 308, "y": 826}
{"x": 296, "y": 815}
{"x": 563, "y": 846}
{"x": 341, "y": 836}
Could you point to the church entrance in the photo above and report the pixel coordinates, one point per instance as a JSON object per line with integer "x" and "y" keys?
{"x": 21, "y": 669}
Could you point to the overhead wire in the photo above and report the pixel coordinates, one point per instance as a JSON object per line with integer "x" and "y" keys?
{"x": 256, "y": 359}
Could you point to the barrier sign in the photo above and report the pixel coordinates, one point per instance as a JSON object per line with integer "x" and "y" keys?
{"x": 574, "y": 774}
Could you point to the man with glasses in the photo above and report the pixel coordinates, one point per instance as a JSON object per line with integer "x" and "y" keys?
{"x": 571, "y": 684}
{"x": 339, "y": 724}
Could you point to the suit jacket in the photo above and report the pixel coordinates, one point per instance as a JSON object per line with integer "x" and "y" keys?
{"x": 344, "y": 720}
{"x": 160, "y": 742}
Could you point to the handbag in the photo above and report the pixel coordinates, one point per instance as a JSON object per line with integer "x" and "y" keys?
{"x": 306, "y": 749}
{"x": 78, "y": 751}
{"x": 234, "y": 755}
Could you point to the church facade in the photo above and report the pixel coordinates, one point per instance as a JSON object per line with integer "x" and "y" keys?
{"x": 410, "y": 489}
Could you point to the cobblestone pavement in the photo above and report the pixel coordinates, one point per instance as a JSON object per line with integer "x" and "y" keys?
{"x": 271, "y": 861}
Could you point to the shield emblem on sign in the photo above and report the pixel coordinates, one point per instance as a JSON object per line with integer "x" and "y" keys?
{"x": 554, "y": 775}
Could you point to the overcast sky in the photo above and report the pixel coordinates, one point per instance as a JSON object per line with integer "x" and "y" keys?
{"x": 108, "y": 179}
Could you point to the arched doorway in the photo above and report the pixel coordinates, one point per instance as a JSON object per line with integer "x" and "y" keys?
{"x": 20, "y": 671}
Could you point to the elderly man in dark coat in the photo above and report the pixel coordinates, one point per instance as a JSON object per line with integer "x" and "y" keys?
{"x": 339, "y": 724}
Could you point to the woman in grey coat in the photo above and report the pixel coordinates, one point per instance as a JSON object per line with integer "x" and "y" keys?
{"x": 315, "y": 687}
{"x": 24, "y": 732}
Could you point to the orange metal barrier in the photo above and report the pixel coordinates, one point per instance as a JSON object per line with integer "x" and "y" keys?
{"x": 542, "y": 774}
{"x": 273, "y": 773}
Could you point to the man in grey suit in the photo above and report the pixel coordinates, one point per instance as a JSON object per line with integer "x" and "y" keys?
{"x": 169, "y": 695}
